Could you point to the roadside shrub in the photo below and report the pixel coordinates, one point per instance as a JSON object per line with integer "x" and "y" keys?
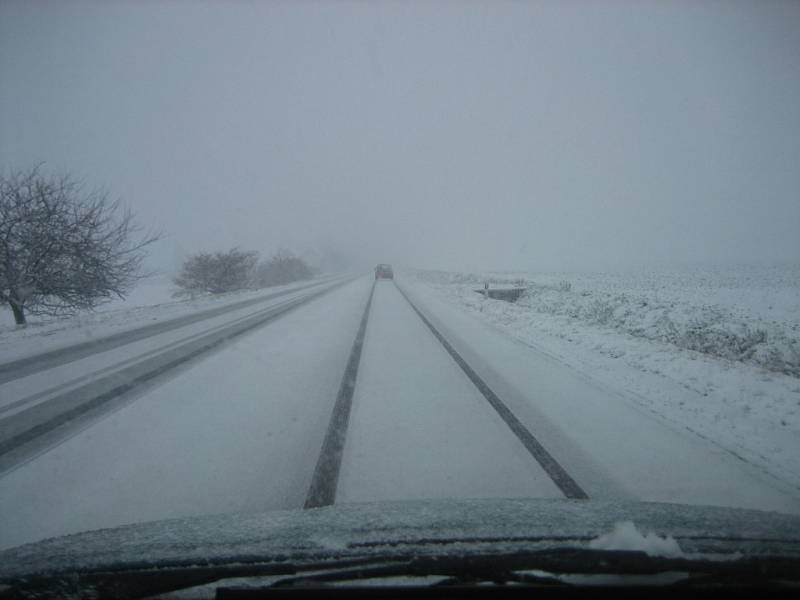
{"x": 216, "y": 273}
{"x": 710, "y": 329}
{"x": 599, "y": 311}
{"x": 722, "y": 343}
{"x": 284, "y": 267}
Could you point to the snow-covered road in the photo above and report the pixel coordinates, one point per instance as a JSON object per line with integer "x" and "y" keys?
{"x": 40, "y": 410}
{"x": 241, "y": 429}
{"x": 36, "y": 363}
{"x": 419, "y": 428}
{"x": 238, "y": 431}
{"x": 611, "y": 446}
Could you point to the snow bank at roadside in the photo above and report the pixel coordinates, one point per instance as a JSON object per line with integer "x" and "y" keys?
{"x": 676, "y": 308}
{"x": 745, "y": 407}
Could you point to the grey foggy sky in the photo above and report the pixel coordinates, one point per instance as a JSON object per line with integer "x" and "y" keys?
{"x": 519, "y": 135}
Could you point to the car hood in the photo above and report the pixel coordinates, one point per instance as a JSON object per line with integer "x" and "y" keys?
{"x": 402, "y": 528}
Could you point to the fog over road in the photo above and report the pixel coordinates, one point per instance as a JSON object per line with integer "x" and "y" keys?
{"x": 230, "y": 413}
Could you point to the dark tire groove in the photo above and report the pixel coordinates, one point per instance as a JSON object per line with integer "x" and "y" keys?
{"x": 322, "y": 491}
{"x": 568, "y": 486}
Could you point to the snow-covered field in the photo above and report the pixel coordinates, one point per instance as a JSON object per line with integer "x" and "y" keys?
{"x": 714, "y": 350}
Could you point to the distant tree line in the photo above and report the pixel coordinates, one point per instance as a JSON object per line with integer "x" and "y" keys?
{"x": 236, "y": 269}
{"x": 65, "y": 248}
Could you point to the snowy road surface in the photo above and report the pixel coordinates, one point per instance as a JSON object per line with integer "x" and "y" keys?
{"x": 420, "y": 428}
{"x": 19, "y": 368}
{"x": 39, "y": 410}
{"x": 239, "y": 421}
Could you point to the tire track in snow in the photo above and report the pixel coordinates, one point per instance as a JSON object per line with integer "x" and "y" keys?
{"x": 66, "y": 386}
{"x": 41, "y": 427}
{"x": 39, "y": 362}
{"x": 322, "y": 491}
{"x": 568, "y": 486}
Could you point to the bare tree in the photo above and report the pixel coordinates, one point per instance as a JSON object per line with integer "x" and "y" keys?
{"x": 216, "y": 273}
{"x": 63, "y": 248}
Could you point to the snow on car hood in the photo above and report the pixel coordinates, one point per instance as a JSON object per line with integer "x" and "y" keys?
{"x": 401, "y": 528}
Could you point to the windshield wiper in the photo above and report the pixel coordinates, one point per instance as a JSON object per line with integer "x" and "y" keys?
{"x": 453, "y": 569}
{"x": 548, "y": 564}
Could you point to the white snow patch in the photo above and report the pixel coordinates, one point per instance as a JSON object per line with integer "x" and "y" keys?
{"x": 625, "y": 536}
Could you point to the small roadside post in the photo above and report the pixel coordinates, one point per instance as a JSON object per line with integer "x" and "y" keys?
{"x": 486, "y": 289}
